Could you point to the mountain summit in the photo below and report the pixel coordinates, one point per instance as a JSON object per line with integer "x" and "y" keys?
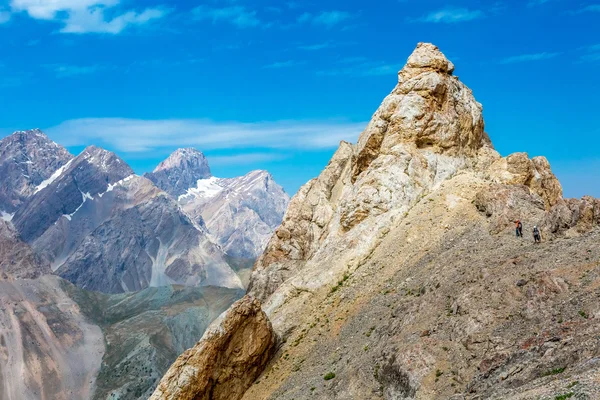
{"x": 396, "y": 273}
{"x": 180, "y": 171}
{"x": 27, "y": 158}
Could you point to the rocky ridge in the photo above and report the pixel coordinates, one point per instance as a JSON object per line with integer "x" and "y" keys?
{"x": 241, "y": 213}
{"x": 396, "y": 274}
{"x": 27, "y": 159}
{"x": 180, "y": 171}
{"x": 132, "y": 237}
{"x": 85, "y": 176}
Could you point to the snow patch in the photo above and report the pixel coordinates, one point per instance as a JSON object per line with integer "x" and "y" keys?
{"x": 205, "y": 188}
{"x": 53, "y": 177}
{"x": 85, "y": 197}
{"x": 6, "y": 216}
{"x": 112, "y": 186}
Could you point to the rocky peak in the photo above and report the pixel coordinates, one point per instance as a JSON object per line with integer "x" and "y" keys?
{"x": 241, "y": 213}
{"x": 429, "y": 109}
{"x": 428, "y": 57}
{"x": 180, "y": 171}
{"x": 67, "y": 189}
{"x": 27, "y": 158}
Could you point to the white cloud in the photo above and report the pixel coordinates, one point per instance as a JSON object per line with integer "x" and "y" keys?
{"x": 4, "y": 16}
{"x": 238, "y": 16}
{"x": 529, "y": 57}
{"x": 588, "y": 8}
{"x": 452, "y": 15}
{"x": 86, "y": 16}
{"x": 282, "y": 64}
{"x": 316, "y": 46}
{"x": 241, "y": 159}
{"x": 133, "y": 135}
{"x": 325, "y": 18}
{"x": 65, "y": 70}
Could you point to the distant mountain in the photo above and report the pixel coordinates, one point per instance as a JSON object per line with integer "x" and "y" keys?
{"x": 180, "y": 171}
{"x": 27, "y": 159}
{"x": 132, "y": 237}
{"x": 241, "y": 213}
{"x": 68, "y": 189}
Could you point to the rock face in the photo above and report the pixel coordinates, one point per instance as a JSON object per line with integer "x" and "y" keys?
{"x": 17, "y": 260}
{"x": 232, "y": 353}
{"x": 27, "y": 159}
{"x": 85, "y": 176}
{"x": 396, "y": 273}
{"x": 48, "y": 349}
{"x": 428, "y": 129}
{"x": 180, "y": 171}
{"x": 131, "y": 237}
{"x": 241, "y": 213}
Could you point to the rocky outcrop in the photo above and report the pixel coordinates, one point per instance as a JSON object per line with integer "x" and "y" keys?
{"x": 85, "y": 176}
{"x": 17, "y": 260}
{"x": 27, "y": 160}
{"x": 180, "y": 171}
{"x": 428, "y": 129}
{"x": 232, "y": 353}
{"x": 131, "y": 237}
{"x": 299, "y": 236}
{"x": 518, "y": 169}
{"x": 240, "y": 213}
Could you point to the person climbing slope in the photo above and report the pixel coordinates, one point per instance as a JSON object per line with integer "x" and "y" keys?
{"x": 519, "y": 228}
{"x": 537, "y": 236}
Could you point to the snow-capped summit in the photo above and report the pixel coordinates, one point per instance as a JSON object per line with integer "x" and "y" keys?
{"x": 180, "y": 171}
{"x": 241, "y": 213}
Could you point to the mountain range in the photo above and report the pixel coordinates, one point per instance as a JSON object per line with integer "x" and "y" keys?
{"x": 107, "y": 276}
{"x": 106, "y": 229}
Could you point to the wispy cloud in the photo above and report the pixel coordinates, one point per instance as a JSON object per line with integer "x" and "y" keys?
{"x": 529, "y": 57}
{"x": 4, "y": 16}
{"x": 134, "y": 135}
{"x": 452, "y": 15}
{"x": 242, "y": 159}
{"x": 588, "y": 8}
{"x": 592, "y": 53}
{"x": 238, "y": 16}
{"x": 316, "y": 46}
{"x": 282, "y": 64}
{"x": 325, "y": 18}
{"x": 534, "y": 3}
{"x": 65, "y": 70}
{"x": 87, "y": 16}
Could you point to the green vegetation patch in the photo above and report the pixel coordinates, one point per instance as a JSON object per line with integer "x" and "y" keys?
{"x": 329, "y": 376}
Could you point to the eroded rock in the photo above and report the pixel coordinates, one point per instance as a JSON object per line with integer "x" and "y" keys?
{"x": 233, "y": 352}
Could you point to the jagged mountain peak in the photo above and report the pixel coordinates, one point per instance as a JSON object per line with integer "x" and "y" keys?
{"x": 429, "y": 56}
{"x": 185, "y": 158}
{"x": 27, "y": 158}
{"x": 180, "y": 171}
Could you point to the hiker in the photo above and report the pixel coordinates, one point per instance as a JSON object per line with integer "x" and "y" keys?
{"x": 519, "y": 228}
{"x": 537, "y": 237}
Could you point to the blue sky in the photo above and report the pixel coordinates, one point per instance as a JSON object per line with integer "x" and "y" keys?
{"x": 275, "y": 85}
